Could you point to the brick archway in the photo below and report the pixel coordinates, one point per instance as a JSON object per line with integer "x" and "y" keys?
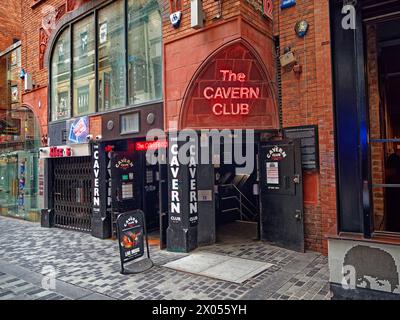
{"x": 230, "y": 90}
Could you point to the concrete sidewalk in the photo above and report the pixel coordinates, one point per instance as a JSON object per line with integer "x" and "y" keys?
{"x": 88, "y": 268}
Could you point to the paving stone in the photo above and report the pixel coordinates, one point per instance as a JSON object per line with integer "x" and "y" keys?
{"x": 89, "y": 268}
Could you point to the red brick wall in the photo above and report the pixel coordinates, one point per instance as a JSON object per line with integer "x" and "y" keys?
{"x": 10, "y": 22}
{"x": 377, "y": 150}
{"x": 307, "y": 100}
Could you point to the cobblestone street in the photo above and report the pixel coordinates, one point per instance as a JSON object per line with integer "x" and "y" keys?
{"x": 89, "y": 268}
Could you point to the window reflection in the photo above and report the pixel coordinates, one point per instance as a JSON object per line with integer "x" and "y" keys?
{"x": 111, "y": 57}
{"x": 60, "y": 71}
{"x": 144, "y": 51}
{"x": 84, "y": 66}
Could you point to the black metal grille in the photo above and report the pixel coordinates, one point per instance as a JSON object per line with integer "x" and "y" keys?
{"x": 73, "y": 193}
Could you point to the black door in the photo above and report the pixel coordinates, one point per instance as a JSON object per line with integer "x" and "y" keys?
{"x": 281, "y": 218}
{"x": 163, "y": 204}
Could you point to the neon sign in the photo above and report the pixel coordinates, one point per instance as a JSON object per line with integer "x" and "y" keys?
{"x": 60, "y": 152}
{"x": 231, "y": 90}
{"x": 231, "y": 93}
{"x": 150, "y": 145}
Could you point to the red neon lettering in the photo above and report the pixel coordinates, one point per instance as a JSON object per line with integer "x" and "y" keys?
{"x": 231, "y": 93}
{"x": 150, "y": 145}
{"x": 233, "y": 109}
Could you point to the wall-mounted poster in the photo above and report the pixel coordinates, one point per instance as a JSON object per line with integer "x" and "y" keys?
{"x": 14, "y": 94}
{"x": 103, "y": 29}
{"x": 62, "y": 108}
{"x": 84, "y": 42}
{"x": 83, "y": 99}
{"x": 78, "y": 130}
{"x": 272, "y": 172}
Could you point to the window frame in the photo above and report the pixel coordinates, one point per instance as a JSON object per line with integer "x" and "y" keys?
{"x": 94, "y": 11}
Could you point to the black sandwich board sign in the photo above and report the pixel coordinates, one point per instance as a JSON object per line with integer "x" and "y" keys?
{"x": 132, "y": 236}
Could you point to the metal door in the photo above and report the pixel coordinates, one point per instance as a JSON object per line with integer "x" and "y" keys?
{"x": 281, "y": 218}
{"x": 73, "y": 193}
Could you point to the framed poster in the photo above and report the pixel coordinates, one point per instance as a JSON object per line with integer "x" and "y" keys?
{"x": 308, "y": 136}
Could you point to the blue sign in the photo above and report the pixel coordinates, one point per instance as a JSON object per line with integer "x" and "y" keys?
{"x": 78, "y": 130}
{"x": 287, "y": 4}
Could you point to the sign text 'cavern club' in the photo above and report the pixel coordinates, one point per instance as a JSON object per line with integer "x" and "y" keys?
{"x": 227, "y": 100}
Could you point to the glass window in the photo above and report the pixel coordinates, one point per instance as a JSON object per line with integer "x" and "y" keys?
{"x": 144, "y": 51}
{"x": 60, "y": 77}
{"x": 111, "y": 63}
{"x": 130, "y": 123}
{"x": 84, "y": 67}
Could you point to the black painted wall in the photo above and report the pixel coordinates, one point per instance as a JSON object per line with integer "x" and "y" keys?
{"x": 351, "y": 126}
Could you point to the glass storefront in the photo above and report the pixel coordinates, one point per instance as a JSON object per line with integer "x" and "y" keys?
{"x": 19, "y": 165}
{"x": 19, "y": 144}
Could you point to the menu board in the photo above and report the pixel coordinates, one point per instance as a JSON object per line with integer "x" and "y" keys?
{"x": 308, "y": 136}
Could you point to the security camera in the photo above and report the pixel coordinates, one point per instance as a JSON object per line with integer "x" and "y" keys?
{"x": 89, "y": 137}
{"x": 99, "y": 137}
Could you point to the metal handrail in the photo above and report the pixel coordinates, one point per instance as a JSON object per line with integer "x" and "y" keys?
{"x": 241, "y": 204}
{"x": 240, "y": 192}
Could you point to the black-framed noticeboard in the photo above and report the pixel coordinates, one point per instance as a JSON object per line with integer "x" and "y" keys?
{"x": 308, "y": 136}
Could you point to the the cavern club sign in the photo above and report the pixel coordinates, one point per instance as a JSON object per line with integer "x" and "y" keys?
{"x": 235, "y": 94}
{"x": 231, "y": 90}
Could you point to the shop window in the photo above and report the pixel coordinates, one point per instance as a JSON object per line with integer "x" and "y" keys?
{"x": 383, "y": 68}
{"x": 144, "y": 51}
{"x": 111, "y": 52}
{"x": 60, "y": 77}
{"x": 84, "y": 96}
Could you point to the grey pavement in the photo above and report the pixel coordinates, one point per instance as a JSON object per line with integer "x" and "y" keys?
{"x": 89, "y": 269}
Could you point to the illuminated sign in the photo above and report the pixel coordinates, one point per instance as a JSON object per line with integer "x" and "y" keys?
{"x": 231, "y": 90}
{"x": 56, "y": 152}
{"x": 231, "y": 93}
{"x": 150, "y": 145}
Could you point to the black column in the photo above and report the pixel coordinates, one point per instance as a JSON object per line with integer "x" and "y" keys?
{"x": 101, "y": 220}
{"x": 182, "y": 200}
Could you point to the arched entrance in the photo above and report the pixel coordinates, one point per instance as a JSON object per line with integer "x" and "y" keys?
{"x": 231, "y": 89}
